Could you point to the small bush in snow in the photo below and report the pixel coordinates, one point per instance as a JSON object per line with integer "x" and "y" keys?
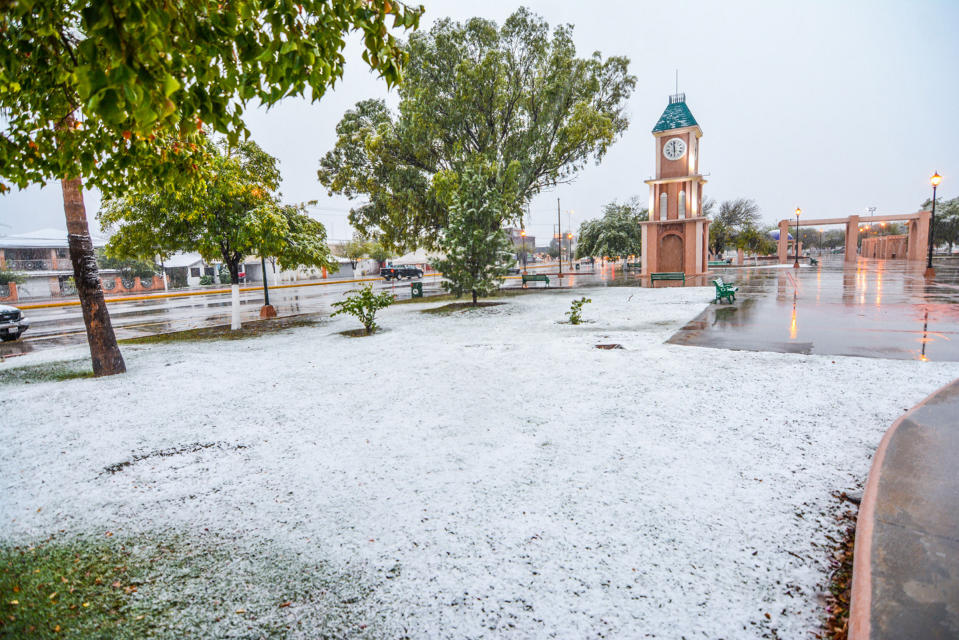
{"x": 575, "y": 312}
{"x": 363, "y": 305}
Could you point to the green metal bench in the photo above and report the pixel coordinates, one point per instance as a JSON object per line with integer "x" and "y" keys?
{"x": 667, "y": 275}
{"x": 813, "y": 261}
{"x": 535, "y": 278}
{"x": 718, "y": 263}
{"x": 634, "y": 266}
{"x": 725, "y": 290}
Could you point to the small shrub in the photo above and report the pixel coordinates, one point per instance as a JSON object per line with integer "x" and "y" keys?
{"x": 6, "y": 277}
{"x": 363, "y": 305}
{"x": 205, "y": 280}
{"x": 575, "y": 312}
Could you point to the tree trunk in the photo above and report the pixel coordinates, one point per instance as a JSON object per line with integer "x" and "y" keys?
{"x": 234, "y": 267}
{"x": 474, "y": 297}
{"x": 106, "y": 356}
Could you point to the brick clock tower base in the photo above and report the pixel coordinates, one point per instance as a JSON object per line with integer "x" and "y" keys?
{"x": 676, "y": 237}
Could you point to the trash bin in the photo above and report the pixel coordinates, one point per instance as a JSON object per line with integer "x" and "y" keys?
{"x": 416, "y": 289}
{"x": 577, "y": 266}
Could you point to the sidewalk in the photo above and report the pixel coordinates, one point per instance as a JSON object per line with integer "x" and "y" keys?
{"x": 906, "y": 567}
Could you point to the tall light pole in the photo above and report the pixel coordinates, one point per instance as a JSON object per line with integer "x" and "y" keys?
{"x": 796, "y": 263}
{"x": 934, "y": 181}
{"x": 559, "y": 237}
{"x": 820, "y": 240}
{"x": 523, "y": 234}
{"x": 569, "y": 250}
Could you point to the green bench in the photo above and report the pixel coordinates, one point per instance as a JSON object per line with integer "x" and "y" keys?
{"x": 535, "y": 278}
{"x": 634, "y": 266}
{"x": 813, "y": 261}
{"x": 725, "y": 290}
{"x": 668, "y": 275}
{"x": 719, "y": 263}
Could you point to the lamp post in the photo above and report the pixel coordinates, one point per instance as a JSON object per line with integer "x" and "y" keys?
{"x": 934, "y": 181}
{"x": 820, "y": 240}
{"x": 796, "y": 263}
{"x": 523, "y": 235}
{"x": 569, "y": 250}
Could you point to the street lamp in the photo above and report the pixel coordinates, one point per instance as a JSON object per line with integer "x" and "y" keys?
{"x": 934, "y": 181}
{"x": 820, "y": 240}
{"x": 569, "y": 250}
{"x": 523, "y": 234}
{"x": 796, "y": 263}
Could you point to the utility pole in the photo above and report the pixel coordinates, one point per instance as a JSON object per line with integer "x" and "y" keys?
{"x": 559, "y": 238}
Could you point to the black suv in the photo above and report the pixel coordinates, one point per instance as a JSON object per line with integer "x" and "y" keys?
{"x": 12, "y": 323}
{"x": 400, "y": 271}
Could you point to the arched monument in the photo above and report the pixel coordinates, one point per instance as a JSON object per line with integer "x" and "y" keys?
{"x": 676, "y": 237}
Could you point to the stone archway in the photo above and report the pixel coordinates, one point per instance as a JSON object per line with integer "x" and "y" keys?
{"x": 671, "y": 254}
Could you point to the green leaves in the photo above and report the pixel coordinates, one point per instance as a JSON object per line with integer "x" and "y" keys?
{"x": 617, "y": 234}
{"x": 363, "y": 305}
{"x": 477, "y": 250}
{"x": 514, "y": 96}
{"x": 157, "y": 68}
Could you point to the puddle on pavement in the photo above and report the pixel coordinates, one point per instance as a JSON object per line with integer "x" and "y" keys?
{"x": 873, "y": 309}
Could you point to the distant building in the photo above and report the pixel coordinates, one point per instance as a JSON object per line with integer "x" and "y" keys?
{"x": 43, "y": 258}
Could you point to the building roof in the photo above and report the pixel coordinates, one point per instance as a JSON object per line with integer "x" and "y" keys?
{"x": 676, "y": 116}
{"x": 182, "y": 260}
{"x": 43, "y": 239}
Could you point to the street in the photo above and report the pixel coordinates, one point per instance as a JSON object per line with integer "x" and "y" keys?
{"x": 63, "y": 325}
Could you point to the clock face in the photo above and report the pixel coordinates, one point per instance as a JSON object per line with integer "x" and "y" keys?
{"x": 674, "y": 149}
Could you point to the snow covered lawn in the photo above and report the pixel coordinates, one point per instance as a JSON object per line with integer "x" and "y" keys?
{"x": 480, "y": 474}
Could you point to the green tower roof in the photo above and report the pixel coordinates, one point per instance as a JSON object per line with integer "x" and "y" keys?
{"x": 676, "y": 116}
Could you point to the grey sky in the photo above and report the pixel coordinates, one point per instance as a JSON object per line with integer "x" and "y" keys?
{"x": 830, "y": 106}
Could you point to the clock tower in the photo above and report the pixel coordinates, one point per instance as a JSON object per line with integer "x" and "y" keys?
{"x": 676, "y": 237}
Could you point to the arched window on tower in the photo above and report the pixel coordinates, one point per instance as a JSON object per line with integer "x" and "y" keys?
{"x": 682, "y": 205}
{"x": 663, "y": 202}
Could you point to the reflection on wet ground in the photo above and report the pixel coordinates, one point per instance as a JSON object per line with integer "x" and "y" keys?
{"x": 874, "y": 309}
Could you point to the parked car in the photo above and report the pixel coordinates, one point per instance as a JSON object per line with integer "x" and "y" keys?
{"x": 400, "y": 271}
{"x": 12, "y": 323}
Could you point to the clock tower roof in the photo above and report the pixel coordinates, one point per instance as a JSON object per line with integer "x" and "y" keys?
{"x": 676, "y": 116}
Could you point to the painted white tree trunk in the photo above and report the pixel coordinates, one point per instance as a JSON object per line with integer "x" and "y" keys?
{"x": 235, "y": 295}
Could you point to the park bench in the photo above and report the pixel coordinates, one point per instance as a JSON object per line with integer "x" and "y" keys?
{"x": 634, "y": 266}
{"x": 535, "y": 278}
{"x": 725, "y": 290}
{"x": 719, "y": 263}
{"x": 667, "y": 275}
{"x": 813, "y": 261}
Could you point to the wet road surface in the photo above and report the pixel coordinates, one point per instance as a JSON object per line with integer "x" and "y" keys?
{"x": 61, "y": 326}
{"x": 875, "y": 309}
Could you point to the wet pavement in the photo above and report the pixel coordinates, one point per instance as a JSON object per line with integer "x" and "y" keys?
{"x": 63, "y": 326}
{"x": 874, "y": 309}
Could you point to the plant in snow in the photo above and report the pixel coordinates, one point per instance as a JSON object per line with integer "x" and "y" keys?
{"x": 575, "y": 312}
{"x": 477, "y": 249}
{"x": 363, "y": 305}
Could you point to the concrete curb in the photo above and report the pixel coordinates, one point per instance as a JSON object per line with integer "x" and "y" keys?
{"x": 895, "y": 614}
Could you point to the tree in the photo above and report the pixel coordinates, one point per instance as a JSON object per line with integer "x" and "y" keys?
{"x": 947, "y": 221}
{"x": 115, "y": 92}
{"x": 379, "y": 252}
{"x": 230, "y": 215}
{"x": 478, "y": 250}
{"x": 356, "y": 249}
{"x": 515, "y": 96}
{"x": 617, "y": 234}
{"x": 734, "y": 217}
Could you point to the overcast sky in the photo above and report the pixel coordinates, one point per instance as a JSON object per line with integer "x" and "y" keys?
{"x": 830, "y": 106}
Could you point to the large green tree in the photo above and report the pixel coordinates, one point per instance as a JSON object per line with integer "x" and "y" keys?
{"x": 477, "y": 250}
{"x": 947, "y": 221}
{"x": 733, "y": 218}
{"x": 231, "y": 214}
{"x": 617, "y": 234}
{"x": 515, "y": 96}
{"x": 114, "y": 91}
